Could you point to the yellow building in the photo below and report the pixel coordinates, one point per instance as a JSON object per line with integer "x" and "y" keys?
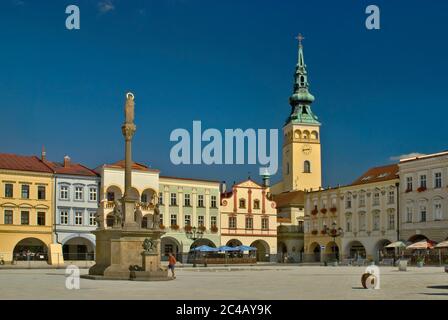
{"x": 249, "y": 218}
{"x": 301, "y": 164}
{"x": 26, "y": 210}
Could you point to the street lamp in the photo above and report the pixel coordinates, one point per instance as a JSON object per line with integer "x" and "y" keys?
{"x": 334, "y": 233}
{"x": 194, "y": 234}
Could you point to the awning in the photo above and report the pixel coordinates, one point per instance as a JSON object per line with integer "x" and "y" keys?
{"x": 396, "y": 244}
{"x": 246, "y": 248}
{"x": 422, "y": 245}
{"x": 227, "y": 248}
{"x": 205, "y": 249}
{"x": 441, "y": 245}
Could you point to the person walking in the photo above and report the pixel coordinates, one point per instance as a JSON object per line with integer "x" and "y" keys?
{"x": 172, "y": 264}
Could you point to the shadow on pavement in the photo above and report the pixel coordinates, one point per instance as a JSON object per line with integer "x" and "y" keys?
{"x": 438, "y": 287}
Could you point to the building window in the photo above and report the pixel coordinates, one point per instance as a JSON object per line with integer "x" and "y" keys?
{"x": 307, "y": 167}
{"x": 25, "y": 217}
{"x": 160, "y": 197}
{"x": 173, "y": 199}
{"x": 8, "y": 217}
{"x": 423, "y": 181}
{"x": 409, "y": 214}
{"x": 438, "y": 210}
{"x": 187, "y": 220}
{"x": 41, "y": 218}
{"x": 187, "y": 200}
{"x": 376, "y": 221}
{"x": 201, "y": 221}
{"x": 93, "y": 194}
{"x": 256, "y": 204}
{"x": 242, "y": 204}
{"x": 362, "y": 222}
{"x": 348, "y": 201}
{"x": 265, "y": 223}
{"x": 201, "y": 200}
{"x": 78, "y": 218}
{"x": 213, "y": 222}
{"x": 144, "y": 198}
{"x": 78, "y": 193}
{"x": 391, "y": 221}
{"x": 25, "y": 191}
{"x": 391, "y": 197}
{"x": 213, "y": 202}
{"x": 63, "y": 192}
{"x": 408, "y": 184}
{"x": 249, "y": 223}
{"x": 362, "y": 200}
{"x": 8, "y": 190}
{"x": 111, "y": 196}
{"x": 438, "y": 180}
{"x": 422, "y": 213}
{"x": 41, "y": 193}
{"x": 173, "y": 220}
{"x": 64, "y": 217}
{"x": 92, "y": 216}
{"x": 232, "y": 222}
{"x": 376, "y": 199}
{"x": 287, "y": 168}
{"x": 348, "y": 223}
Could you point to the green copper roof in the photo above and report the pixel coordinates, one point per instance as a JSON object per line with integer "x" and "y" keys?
{"x": 301, "y": 99}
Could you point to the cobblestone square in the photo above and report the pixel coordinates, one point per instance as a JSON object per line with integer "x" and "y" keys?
{"x": 221, "y": 283}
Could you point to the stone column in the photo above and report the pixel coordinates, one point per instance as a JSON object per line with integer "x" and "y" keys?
{"x": 128, "y": 129}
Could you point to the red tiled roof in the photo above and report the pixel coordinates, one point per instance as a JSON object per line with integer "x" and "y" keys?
{"x": 192, "y": 179}
{"x": 135, "y": 166}
{"x": 23, "y": 163}
{"x": 72, "y": 169}
{"x": 289, "y": 199}
{"x": 378, "y": 174}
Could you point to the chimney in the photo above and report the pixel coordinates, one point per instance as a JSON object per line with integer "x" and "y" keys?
{"x": 222, "y": 187}
{"x": 66, "y": 161}
{"x": 43, "y": 155}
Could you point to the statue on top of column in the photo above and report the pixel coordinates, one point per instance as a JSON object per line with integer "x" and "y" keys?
{"x": 129, "y": 108}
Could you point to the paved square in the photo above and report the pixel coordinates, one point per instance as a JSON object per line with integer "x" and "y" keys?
{"x": 258, "y": 282}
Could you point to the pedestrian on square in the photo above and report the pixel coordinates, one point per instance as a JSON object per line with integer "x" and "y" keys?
{"x": 172, "y": 264}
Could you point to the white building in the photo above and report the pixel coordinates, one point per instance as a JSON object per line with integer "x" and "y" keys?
{"x": 424, "y": 197}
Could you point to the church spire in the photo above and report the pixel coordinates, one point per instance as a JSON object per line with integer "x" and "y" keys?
{"x": 301, "y": 99}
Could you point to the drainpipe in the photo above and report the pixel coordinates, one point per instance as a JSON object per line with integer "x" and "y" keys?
{"x": 398, "y": 210}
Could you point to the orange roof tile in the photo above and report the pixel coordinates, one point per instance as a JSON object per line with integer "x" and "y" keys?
{"x": 378, "y": 174}
{"x": 289, "y": 199}
{"x": 135, "y": 166}
{"x": 23, "y": 163}
{"x": 72, "y": 169}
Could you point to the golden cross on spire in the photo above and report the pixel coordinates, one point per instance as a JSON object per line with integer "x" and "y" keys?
{"x": 300, "y": 38}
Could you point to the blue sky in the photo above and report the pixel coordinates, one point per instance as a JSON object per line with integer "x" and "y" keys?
{"x": 379, "y": 94}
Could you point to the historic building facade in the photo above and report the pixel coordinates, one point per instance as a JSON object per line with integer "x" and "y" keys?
{"x": 187, "y": 205}
{"x": 145, "y": 186}
{"x": 321, "y": 216}
{"x": 369, "y": 213}
{"x": 424, "y": 197}
{"x": 355, "y": 221}
{"x": 26, "y": 204}
{"x": 249, "y": 217}
{"x": 290, "y": 220}
{"x": 76, "y": 204}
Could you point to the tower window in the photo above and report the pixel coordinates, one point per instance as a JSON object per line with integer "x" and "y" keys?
{"x": 307, "y": 167}
{"x": 287, "y": 167}
{"x": 302, "y": 80}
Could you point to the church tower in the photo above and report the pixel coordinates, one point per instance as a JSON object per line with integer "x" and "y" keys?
{"x": 301, "y": 164}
